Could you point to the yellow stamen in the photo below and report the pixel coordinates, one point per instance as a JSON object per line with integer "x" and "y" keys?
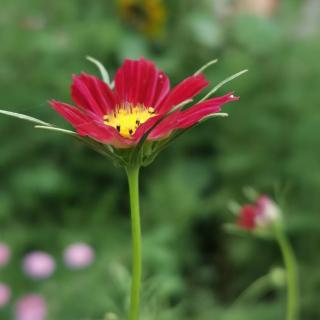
{"x": 127, "y": 118}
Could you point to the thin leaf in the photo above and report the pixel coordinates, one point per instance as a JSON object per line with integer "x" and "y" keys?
{"x": 178, "y": 133}
{"x": 100, "y": 149}
{"x": 234, "y": 207}
{"x": 207, "y": 65}
{"x": 179, "y": 106}
{"x": 109, "y": 147}
{"x": 234, "y": 229}
{"x": 102, "y": 69}
{"x": 255, "y": 290}
{"x": 218, "y": 86}
{"x": 57, "y": 129}
{"x": 24, "y": 117}
{"x": 214, "y": 115}
{"x": 105, "y": 150}
{"x": 139, "y": 146}
{"x": 145, "y": 136}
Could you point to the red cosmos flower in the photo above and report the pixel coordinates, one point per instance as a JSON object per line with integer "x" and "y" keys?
{"x": 260, "y": 214}
{"x": 140, "y": 101}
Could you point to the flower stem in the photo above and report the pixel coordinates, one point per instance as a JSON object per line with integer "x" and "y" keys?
{"x": 292, "y": 274}
{"x": 257, "y": 288}
{"x": 133, "y": 180}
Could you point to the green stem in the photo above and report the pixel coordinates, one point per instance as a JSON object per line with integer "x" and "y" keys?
{"x": 292, "y": 274}
{"x": 257, "y": 288}
{"x": 133, "y": 180}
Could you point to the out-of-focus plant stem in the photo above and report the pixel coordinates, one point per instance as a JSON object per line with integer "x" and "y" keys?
{"x": 133, "y": 180}
{"x": 257, "y": 288}
{"x": 291, "y": 272}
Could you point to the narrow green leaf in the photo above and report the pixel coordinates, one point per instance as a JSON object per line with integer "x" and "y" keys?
{"x": 234, "y": 207}
{"x": 218, "y": 86}
{"x": 24, "y": 117}
{"x": 207, "y": 65}
{"x": 57, "y": 129}
{"x": 102, "y": 69}
{"x": 145, "y": 136}
{"x": 214, "y": 115}
{"x": 179, "y": 106}
{"x": 250, "y": 193}
{"x": 180, "y": 132}
{"x": 234, "y": 229}
{"x": 100, "y": 148}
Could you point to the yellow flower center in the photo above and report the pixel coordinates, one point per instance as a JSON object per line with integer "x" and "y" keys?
{"x": 127, "y": 118}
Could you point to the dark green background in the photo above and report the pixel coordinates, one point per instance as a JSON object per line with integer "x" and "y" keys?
{"x": 54, "y": 191}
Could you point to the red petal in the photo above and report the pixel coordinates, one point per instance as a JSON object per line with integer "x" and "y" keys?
{"x": 88, "y": 125}
{"x": 185, "y": 90}
{"x": 189, "y": 117}
{"x": 73, "y": 115}
{"x": 139, "y": 81}
{"x": 247, "y": 217}
{"x": 91, "y": 93}
{"x": 143, "y": 128}
{"x": 194, "y": 114}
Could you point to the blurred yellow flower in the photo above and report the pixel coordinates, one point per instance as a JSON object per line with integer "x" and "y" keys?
{"x": 147, "y": 16}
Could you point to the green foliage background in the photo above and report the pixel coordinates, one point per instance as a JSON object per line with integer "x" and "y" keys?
{"x": 54, "y": 191}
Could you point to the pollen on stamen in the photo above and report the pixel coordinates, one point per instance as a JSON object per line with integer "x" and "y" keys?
{"x": 127, "y": 117}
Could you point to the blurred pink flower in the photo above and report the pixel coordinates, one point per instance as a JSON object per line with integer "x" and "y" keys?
{"x": 269, "y": 211}
{"x": 5, "y": 254}
{"x": 263, "y": 213}
{"x": 5, "y": 294}
{"x": 31, "y": 307}
{"x": 78, "y": 255}
{"x": 39, "y": 265}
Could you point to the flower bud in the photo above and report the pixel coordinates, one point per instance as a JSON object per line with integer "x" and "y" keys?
{"x": 268, "y": 211}
{"x": 261, "y": 214}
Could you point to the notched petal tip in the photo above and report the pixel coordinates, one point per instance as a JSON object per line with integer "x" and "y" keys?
{"x": 232, "y": 97}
